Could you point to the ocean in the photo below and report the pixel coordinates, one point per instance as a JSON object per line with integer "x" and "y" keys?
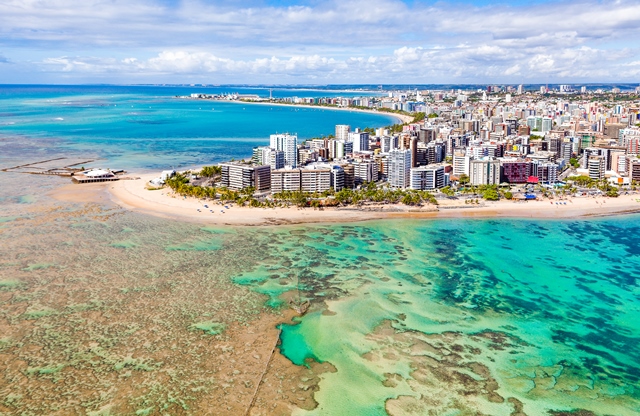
{"x": 106, "y": 311}
{"x": 148, "y": 128}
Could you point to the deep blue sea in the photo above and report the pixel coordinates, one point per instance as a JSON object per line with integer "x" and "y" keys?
{"x": 147, "y": 127}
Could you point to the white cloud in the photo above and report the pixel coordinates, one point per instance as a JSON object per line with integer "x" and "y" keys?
{"x": 409, "y": 64}
{"x": 337, "y": 41}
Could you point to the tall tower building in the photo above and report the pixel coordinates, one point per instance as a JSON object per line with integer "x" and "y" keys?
{"x": 399, "y": 168}
{"x": 342, "y": 132}
{"x": 288, "y": 144}
{"x": 360, "y": 141}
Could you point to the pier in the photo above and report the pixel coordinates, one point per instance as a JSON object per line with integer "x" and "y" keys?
{"x": 46, "y": 167}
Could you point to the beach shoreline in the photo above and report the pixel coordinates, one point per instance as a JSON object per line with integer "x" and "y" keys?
{"x": 403, "y": 119}
{"x": 132, "y": 194}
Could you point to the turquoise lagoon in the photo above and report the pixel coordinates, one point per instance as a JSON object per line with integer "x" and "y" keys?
{"x": 463, "y": 316}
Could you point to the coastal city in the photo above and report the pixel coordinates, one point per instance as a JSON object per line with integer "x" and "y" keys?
{"x": 310, "y": 208}
{"x": 499, "y": 142}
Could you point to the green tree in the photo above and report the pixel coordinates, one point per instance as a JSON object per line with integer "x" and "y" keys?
{"x": 491, "y": 195}
{"x": 448, "y": 191}
{"x": 418, "y": 117}
{"x": 581, "y": 180}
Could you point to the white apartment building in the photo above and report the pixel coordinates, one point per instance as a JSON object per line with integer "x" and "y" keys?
{"x": 342, "y": 132}
{"x": 319, "y": 182}
{"x": 366, "y": 171}
{"x": 239, "y": 176}
{"x": 544, "y": 171}
{"x": 288, "y": 144}
{"x": 485, "y": 171}
{"x": 388, "y": 143}
{"x": 427, "y": 178}
{"x": 264, "y": 155}
{"x": 360, "y": 141}
{"x": 596, "y": 166}
{"x": 315, "y": 180}
{"x": 399, "y": 162}
{"x": 338, "y": 149}
{"x": 461, "y": 163}
{"x": 285, "y": 180}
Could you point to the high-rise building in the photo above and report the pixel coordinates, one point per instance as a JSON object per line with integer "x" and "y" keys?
{"x": 388, "y": 143}
{"x": 360, "y": 141}
{"x": 305, "y": 156}
{"x": 339, "y": 149}
{"x": 461, "y": 162}
{"x": 315, "y": 180}
{"x": 427, "y": 178}
{"x": 399, "y": 162}
{"x": 515, "y": 171}
{"x": 596, "y": 166}
{"x": 566, "y": 150}
{"x": 634, "y": 170}
{"x": 618, "y": 161}
{"x": 534, "y": 123}
{"x": 485, "y": 171}
{"x": 237, "y": 176}
{"x": 264, "y": 155}
{"x": 589, "y": 152}
{"x": 544, "y": 171}
{"x": 287, "y": 143}
{"x": 366, "y": 171}
{"x": 342, "y": 132}
{"x": 285, "y": 180}
{"x": 435, "y": 152}
{"x": 349, "y": 175}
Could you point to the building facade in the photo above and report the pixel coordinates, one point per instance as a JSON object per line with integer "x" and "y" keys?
{"x": 425, "y": 178}
{"x": 485, "y": 171}
{"x": 288, "y": 144}
{"x": 399, "y": 168}
{"x": 515, "y": 171}
{"x": 238, "y": 176}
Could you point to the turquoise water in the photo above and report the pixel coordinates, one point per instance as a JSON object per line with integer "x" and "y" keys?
{"x": 437, "y": 312}
{"x": 416, "y": 317}
{"x": 146, "y": 127}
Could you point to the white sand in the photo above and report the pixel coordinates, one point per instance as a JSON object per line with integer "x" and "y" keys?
{"x": 402, "y": 118}
{"x": 133, "y": 195}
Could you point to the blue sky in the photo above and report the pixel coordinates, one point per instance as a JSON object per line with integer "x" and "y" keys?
{"x": 281, "y": 41}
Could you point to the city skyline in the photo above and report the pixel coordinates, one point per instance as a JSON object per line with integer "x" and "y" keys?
{"x": 304, "y": 42}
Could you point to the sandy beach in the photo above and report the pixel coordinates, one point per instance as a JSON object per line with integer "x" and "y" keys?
{"x": 133, "y": 194}
{"x": 400, "y": 117}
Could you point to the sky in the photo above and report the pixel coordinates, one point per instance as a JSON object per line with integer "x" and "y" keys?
{"x": 319, "y": 42}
